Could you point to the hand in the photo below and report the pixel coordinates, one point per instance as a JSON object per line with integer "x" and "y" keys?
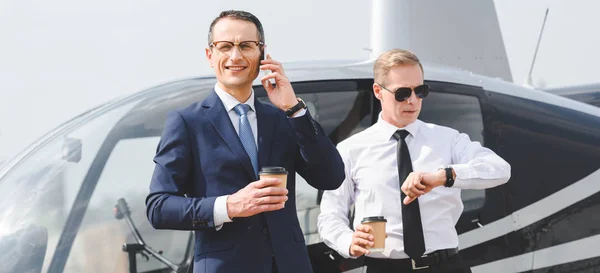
{"x": 419, "y": 183}
{"x": 282, "y": 95}
{"x": 361, "y": 240}
{"x": 259, "y": 196}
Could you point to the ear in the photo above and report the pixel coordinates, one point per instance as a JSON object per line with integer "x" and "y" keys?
{"x": 209, "y": 55}
{"x": 377, "y": 91}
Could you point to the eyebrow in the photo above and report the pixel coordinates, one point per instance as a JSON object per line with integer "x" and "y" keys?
{"x": 411, "y": 86}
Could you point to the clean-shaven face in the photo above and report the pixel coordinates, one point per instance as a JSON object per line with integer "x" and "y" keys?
{"x": 238, "y": 68}
{"x": 406, "y": 112}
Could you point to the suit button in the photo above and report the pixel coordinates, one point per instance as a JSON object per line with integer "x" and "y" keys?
{"x": 314, "y": 127}
{"x": 199, "y": 223}
{"x": 265, "y": 231}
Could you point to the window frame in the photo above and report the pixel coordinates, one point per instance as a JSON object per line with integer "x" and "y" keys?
{"x": 480, "y": 137}
{"x": 331, "y": 86}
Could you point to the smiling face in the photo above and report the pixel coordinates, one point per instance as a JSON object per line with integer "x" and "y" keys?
{"x": 406, "y": 112}
{"x": 235, "y": 67}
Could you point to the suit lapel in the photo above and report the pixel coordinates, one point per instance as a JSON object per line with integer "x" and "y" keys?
{"x": 219, "y": 118}
{"x": 267, "y": 123}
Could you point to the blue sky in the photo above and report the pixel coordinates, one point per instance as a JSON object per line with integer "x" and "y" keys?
{"x": 59, "y": 58}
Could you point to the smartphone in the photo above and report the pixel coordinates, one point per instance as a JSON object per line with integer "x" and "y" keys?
{"x": 263, "y": 56}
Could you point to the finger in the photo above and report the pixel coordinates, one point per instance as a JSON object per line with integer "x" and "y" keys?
{"x": 404, "y": 187}
{"x": 429, "y": 185}
{"x": 358, "y": 250}
{"x": 272, "y": 67}
{"x": 362, "y": 242}
{"x": 274, "y": 75}
{"x": 408, "y": 191}
{"x": 271, "y": 200}
{"x": 416, "y": 179}
{"x": 270, "y": 60}
{"x": 415, "y": 192}
{"x": 362, "y": 235}
{"x": 272, "y": 191}
{"x": 364, "y": 228}
{"x": 420, "y": 186}
{"x": 269, "y": 207}
{"x": 267, "y": 182}
{"x": 408, "y": 200}
{"x": 413, "y": 185}
{"x": 426, "y": 189}
{"x": 267, "y": 85}
{"x": 406, "y": 182}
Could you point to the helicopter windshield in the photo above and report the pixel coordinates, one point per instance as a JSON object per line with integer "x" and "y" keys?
{"x": 58, "y": 200}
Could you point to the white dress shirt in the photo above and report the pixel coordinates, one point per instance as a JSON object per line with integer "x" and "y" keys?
{"x": 229, "y": 102}
{"x": 372, "y": 184}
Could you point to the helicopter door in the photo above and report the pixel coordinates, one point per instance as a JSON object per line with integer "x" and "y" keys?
{"x": 465, "y": 109}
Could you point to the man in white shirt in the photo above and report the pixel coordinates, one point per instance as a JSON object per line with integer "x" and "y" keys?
{"x": 431, "y": 162}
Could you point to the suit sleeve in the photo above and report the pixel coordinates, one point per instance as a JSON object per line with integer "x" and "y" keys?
{"x": 318, "y": 160}
{"x": 167, "y": 207}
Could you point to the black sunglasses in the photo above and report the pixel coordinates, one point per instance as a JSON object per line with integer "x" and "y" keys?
{"x": 403, "y": 93}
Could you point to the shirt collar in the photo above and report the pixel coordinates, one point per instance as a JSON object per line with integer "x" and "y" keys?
{"x": 387, "y": 130}
{"x": 229, "y": 101}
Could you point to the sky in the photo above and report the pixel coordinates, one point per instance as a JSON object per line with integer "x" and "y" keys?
{"x": 60, "y": 58}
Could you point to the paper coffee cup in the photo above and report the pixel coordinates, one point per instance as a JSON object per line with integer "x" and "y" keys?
{"x": 275, "y": 172}
{"x": 377, "y": 224}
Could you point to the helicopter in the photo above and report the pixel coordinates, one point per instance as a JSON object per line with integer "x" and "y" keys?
{"x": 73, "y": 201}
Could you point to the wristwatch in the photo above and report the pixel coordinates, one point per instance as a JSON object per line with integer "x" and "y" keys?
{"x": 300, "y": 105}
{"x": 449, "y": 177}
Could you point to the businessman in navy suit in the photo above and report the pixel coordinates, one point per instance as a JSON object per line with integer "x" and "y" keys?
{"x": 207, "y": 160}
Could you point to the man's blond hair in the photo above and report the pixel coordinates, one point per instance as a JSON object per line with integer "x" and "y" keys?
{"x": 392, "y": 58}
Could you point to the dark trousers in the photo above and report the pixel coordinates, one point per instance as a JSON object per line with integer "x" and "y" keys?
{"x": 453, "y": 264}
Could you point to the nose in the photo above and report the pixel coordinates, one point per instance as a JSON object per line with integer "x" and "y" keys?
{"x": 413, "y": 97}
{"x": 235, "y": 54}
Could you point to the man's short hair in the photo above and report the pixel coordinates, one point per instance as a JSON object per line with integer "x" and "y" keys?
{"x": 239, "y": 15}
{"x": 392, "y": 58}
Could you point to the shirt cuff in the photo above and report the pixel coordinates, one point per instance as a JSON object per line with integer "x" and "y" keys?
{"x": 344, "y": 242}
{"x": 220, "y": 212}
{"x": 463, "y": 172}
{"x": 299, "y": 113}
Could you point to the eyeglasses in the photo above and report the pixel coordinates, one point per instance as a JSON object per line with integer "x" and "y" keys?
{"x": 245, "y": 47}
{"x": 403, "y": 93}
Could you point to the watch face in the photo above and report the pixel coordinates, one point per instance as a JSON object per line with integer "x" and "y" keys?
{"x": 449, "y": 178}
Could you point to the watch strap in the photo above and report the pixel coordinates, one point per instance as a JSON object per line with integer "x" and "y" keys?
{"x": 449, "y": 177}
{"x": 290, "y": 112}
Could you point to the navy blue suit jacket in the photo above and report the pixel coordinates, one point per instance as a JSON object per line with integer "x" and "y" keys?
{"x": 200, "y": 157}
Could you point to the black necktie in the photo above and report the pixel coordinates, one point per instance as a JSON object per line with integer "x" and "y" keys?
{"x": 414, "y": 244}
